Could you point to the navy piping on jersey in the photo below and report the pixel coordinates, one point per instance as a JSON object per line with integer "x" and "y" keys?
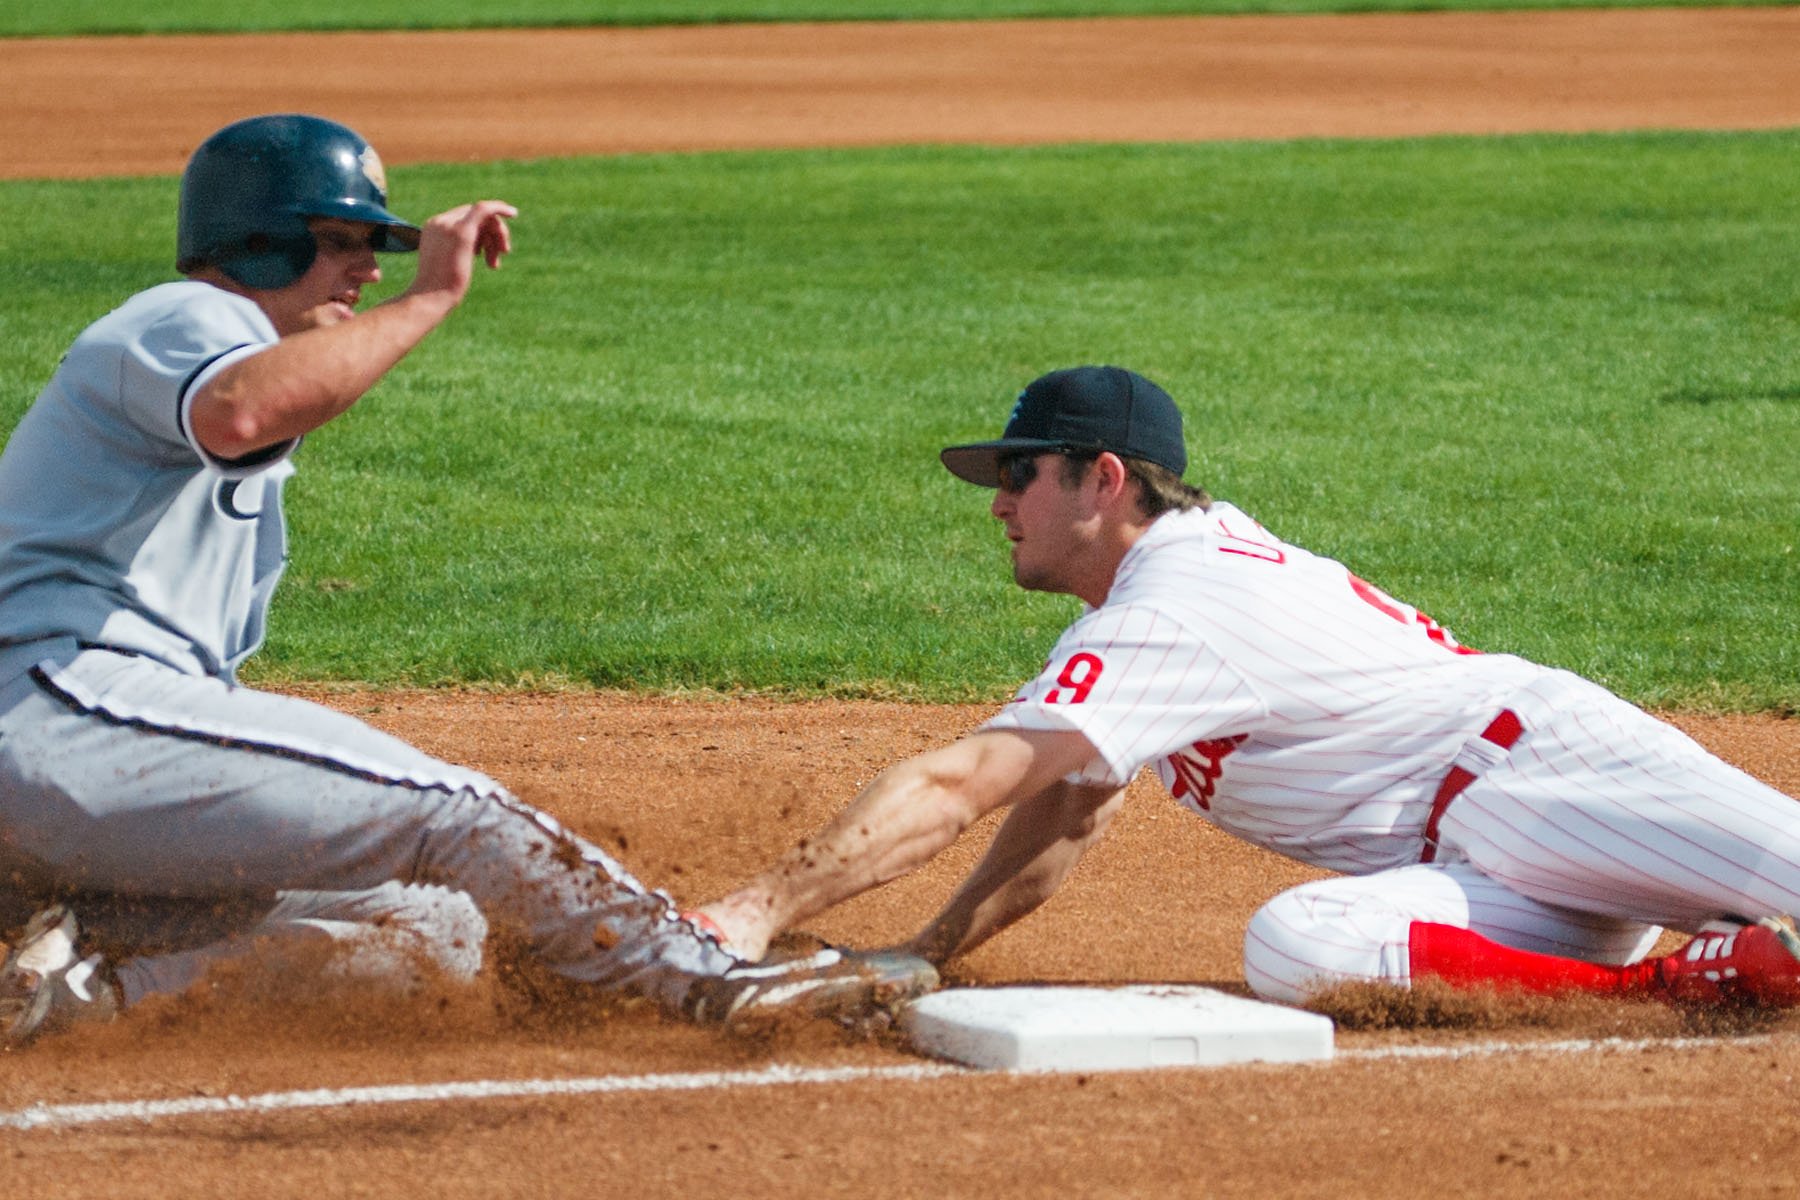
{"x": 253, "y": 459}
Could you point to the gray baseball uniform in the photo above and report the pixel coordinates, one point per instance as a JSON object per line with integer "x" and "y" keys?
{"x": 136, "y": 775}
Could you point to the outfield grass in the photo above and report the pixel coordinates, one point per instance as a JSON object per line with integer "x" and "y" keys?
{"x": 1544, "y": 387}
{"x": 30, "y": 18}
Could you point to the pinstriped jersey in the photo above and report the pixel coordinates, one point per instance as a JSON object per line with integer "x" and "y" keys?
{"x": 1279, "y": 696}
{"x": 116, "y": 527}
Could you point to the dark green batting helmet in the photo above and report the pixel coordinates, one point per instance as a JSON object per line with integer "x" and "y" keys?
{"x": 249, "y": 188}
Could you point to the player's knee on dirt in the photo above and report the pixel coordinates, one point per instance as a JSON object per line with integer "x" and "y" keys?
{"x": 1321, "y": 934}
{"x": 449, "y": 929}
{"x": 394, "y": 934}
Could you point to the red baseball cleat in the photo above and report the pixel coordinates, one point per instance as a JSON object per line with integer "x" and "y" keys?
{"x": 1756, "y": 965}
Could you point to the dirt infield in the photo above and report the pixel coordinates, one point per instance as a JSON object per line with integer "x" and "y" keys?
{"x": 694, "y": 792}
{"x": 139, "y": 105}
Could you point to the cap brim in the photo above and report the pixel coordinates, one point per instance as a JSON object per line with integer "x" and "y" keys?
{"x": 979, "y": 462}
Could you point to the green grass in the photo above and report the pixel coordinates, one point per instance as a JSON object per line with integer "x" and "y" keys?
{"x": 33, "y": 18}
{"x": 1546, "y": 388}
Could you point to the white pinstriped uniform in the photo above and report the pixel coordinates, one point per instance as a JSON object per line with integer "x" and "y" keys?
{"x": 1301, "y": 709}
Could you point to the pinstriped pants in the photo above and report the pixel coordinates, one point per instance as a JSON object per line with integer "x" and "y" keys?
{"x": 1601, "y": 826}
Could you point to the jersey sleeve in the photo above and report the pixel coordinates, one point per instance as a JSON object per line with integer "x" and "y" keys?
{"x": 169, "y": 357}
{"x": 1138, "y": 685}
{"x": 231, "y": 468}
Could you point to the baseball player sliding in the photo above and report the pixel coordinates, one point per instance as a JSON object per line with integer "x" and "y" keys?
{"x": 141, "y": 537}
{"x": 1495, "y": 821}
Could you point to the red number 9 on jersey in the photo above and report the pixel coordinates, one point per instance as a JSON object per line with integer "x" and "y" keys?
{"x": 1078, "y": 675}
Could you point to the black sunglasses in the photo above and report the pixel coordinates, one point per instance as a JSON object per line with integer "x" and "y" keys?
{"x": 1017, "y": 469}
{"x": 337, "y": 240}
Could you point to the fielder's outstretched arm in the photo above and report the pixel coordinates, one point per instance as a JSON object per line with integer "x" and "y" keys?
{"x": 897, "y": 824}
{"x": 1040, "y": 842}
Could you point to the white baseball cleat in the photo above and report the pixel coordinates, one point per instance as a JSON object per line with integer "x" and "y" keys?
{"x": 853, "y": 987}
{"x": 46, "y": 985}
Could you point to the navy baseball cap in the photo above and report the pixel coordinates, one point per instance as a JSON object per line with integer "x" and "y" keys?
{"x": 1082, "y": 408}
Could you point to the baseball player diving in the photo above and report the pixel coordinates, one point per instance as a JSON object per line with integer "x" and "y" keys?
{"x": 192, "y": 820}
{"x": 1494, "y": 821}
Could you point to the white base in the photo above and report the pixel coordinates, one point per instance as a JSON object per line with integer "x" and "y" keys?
{"x": 1111, "y": 1029}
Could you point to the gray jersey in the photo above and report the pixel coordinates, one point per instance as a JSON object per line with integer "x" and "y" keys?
{"x": 116, "y": 527}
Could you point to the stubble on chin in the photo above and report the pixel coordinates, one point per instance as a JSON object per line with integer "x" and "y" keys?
{"x": 1033, "y": 579}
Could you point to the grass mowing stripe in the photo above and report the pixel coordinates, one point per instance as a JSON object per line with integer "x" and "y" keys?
{"x": 71, "y": 17}
{"x": 1544, "y": 387}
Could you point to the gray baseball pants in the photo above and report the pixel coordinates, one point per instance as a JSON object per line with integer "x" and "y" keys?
{"x": 188, "y": 816}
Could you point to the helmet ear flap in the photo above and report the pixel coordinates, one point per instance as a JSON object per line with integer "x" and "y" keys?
{"x": 267, "y": 262}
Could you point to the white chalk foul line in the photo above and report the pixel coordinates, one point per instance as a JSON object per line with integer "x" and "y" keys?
{"x": 63, "y": 1116}
{"x": 1569, "y": 1046}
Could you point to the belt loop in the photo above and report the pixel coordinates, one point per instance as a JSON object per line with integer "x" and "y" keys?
{"x": 1503, "y": 731}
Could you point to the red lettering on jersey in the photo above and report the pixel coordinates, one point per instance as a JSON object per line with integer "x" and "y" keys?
{"x": 1251, "y": 547}
{"x": 1078, "y": 675}
{"x": 1197, "y": 769}
{"x": 1391, "y": 608}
